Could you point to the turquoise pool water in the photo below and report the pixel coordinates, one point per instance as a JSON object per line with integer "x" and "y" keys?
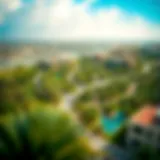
{"x": 112, "y": 124}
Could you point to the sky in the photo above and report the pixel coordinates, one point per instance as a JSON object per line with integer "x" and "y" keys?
{"x": 79, "y": 20}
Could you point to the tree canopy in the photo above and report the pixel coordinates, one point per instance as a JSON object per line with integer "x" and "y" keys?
{"x": 43, "y": 134}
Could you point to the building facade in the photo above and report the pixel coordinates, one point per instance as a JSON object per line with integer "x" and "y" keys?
{"x": 144, "y": 129}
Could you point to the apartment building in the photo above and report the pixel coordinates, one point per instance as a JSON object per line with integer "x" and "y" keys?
{"x": 144, "y": 128}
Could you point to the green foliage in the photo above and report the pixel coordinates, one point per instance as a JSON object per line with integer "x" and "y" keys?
{"x": 43, "y": 134}
{"x": 120, "y": 137}
{"x": 87, "y": 96}
{"x": 19, "y": 91}
{"x": 147, "y": 153}
{"x": 89, "y": 115}
{"x": 109, "y": 92}
{"x": 23, "y": 75}
{"x": 117, "y": 66}
{"x": 149, "y": 87}
{"x": 89, "y": 70}
{"x": 128, "y": 105}
{"x": 107, "y": 109}
{"x": 15, "y": 86}
{"x": 88, "y": 112}
{"x": 48, "y": 90}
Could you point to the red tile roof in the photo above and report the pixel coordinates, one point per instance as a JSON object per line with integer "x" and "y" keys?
{"x": 145, "y": 116}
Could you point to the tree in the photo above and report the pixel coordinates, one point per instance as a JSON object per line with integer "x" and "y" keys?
{"x": 89, "y": 114}
{"x": 15, "y": 88}
{"x": 107, "y": 109}
{"x": 147, "y": 153}
{"x": 43, "y": 134}
{"x": 128, "y": 105}
{"x": 149, "y": 87}
{"x": 49, "y": 90}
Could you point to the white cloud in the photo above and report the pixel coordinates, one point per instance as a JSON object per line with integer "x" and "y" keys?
{"x": 8, "y": 6}
{"x": 68, "y": 21}
{"x": 1, "y": 18}
{"x": 65, "y": 20}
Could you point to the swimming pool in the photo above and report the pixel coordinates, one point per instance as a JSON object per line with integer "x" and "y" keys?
{"x": 112, "y": 124}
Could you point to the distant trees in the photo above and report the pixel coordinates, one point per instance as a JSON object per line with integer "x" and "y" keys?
{"x": 107, "y": 109}
{"x": 48, "y": 90}
{"x": 118, "y": 66}
{"x": 15, "y": 86}
{"x": 22, "y": 86}
{"x": 87, "y": 111}
{"x": 149, "y": 87}
{"x": 109, "y": 92}
{"x": 87, "y": 96}
{"x": 128, "y": 105}
{"x": 150, "y": 52}
{"x": 89, "y": 70}
{"x": 89, "y": 114}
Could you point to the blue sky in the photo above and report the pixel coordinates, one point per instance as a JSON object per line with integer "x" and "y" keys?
{"x": 149, "y": 9}
{"x": 79, "y": 20}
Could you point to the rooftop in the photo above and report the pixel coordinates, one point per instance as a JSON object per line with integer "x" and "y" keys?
{"x": 145, "y": 116}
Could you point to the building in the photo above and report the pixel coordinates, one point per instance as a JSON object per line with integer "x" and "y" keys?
{"x": 116, "y": 63}
{"x": 115, "y": 152}
{"x": 144, "y": 128}
{"x": 43, "y": 65}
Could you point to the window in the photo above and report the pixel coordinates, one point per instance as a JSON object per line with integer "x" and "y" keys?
{"x": 137, "y": 130}
{"x": 135, "y": 143}
{"x": 149, "y": 134}
{"x": 158, "y": 139}
{"x": 158, "y": 147}
{"x": 157, "y": 120}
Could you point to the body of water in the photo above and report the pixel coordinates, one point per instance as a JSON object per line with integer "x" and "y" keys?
{"x": 111, "y": 124}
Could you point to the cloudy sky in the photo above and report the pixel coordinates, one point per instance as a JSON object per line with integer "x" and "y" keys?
{"x": 80, "y": 20}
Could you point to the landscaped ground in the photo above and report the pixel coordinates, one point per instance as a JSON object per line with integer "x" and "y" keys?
{"x": 98, "y": 97}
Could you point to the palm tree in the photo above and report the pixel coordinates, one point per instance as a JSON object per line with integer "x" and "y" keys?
{"x": 43, "y": 135}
